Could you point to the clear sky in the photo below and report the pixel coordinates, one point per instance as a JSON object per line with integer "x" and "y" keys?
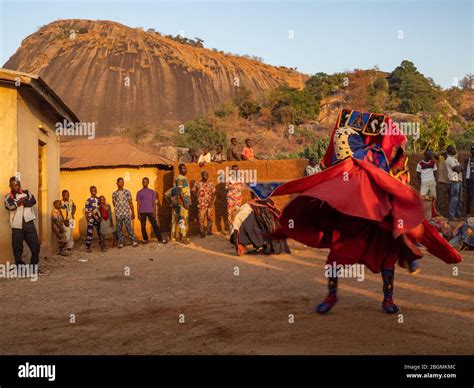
{"x": 313, "y": 36}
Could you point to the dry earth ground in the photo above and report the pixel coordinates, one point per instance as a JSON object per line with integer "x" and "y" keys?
{"x": 225, "y": 313}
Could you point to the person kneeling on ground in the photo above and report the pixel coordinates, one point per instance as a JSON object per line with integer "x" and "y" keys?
{"x": 253, "y": 224}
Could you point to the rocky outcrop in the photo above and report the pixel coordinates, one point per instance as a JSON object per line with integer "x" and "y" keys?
{"x": 124, "y": 78}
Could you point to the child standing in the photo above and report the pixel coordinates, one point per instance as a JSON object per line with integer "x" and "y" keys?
{"x": 107, "y": 227}
{"x": 59, "y": 228}
{"x": 70, "y": 210}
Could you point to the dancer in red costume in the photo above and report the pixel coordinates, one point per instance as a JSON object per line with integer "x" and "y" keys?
{"x": 360, "y": 206}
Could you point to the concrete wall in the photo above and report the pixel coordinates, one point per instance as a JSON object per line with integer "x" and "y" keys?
{"x": 79, "y": 181}
{"x": 266, "y": 170}
{"x": 35, "y": 126}
{"x": 20, "y": 129}
{"x": 8, "y": 161}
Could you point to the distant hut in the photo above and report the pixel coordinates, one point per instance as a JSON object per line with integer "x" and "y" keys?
{"x": 99, "y": 162}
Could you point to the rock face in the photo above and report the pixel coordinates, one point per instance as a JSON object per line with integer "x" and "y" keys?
{"x": 124, "y": 78}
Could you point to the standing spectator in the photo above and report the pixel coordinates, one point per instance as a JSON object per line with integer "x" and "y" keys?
{"x": 189, "y": 156}
{"x": 107, "y": 227}
{"x": 20, "y": 204}
{"x": 443, "y": 185}
{"x": 205, "y": 157}
{"x": 233, "y": 153}
{"x": 60, "y": 229}
{"x": 146, "y": 208}
{"x": 248, "y": 152}
{"x": 70, "y": 210}
{"x": 183, "y": 200}
{"x": 427, "y": 175}
{"x": 234, "y": 189}
{"x": 205, "y": 192}
{"x": 312, "y": 167}
{"x": 124, "y": 213}
{"x": 93, "y": 220}
{"x": 219, "y": 156}
{"x": 455, "y": 179}
{"x": 469, "y": 173}
{"x": 171, "y": 197}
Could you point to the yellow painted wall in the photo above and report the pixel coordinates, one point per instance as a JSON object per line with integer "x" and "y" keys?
{"x": 8, "y": 161}
{"x": 79, "y": 181}
{"x": 20, "y": 129}
{"x": 35, "y": 125}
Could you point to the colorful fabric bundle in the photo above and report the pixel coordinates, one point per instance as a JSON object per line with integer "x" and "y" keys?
{"x": 372, "y": 137}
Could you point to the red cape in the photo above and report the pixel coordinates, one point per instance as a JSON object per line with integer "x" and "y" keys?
{"x": 362, "y": 214}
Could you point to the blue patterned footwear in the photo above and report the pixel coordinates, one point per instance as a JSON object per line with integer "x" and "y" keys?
{"x": 327, "y": 304}
{"x": 331, "y": 299}
{"x": 389, "y": 307}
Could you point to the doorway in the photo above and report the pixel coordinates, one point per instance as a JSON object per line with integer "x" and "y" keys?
{"x": 41, "y": 186}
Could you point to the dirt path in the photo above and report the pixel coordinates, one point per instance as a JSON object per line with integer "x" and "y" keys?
{"x": 228, "y": 314}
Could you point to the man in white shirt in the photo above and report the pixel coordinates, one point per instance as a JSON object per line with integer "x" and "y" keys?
{"x": 312, "y": 168}
{"x": 455, "y": 178}
{"x": 205, "y": 157}
{"x": 20, "y": 204}
{"x": 427, "y": 171}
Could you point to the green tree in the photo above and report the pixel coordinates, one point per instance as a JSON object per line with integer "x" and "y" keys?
{"x": 293, "y": 106}
{"x": 321, "y": 84}
{"x": 434, "y": 134}
{"x": 317, "y": 149}
{"x": 199, "y": 133}
{"x": 416, "y": 92}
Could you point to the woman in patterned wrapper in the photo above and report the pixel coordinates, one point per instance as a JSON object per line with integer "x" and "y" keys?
{"x": 361, "y": 207}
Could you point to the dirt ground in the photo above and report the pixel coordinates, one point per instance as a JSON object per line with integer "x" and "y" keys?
{"x": 228, "y": 314}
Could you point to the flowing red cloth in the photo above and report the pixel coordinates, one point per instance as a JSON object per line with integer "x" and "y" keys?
{"x": 362, "y": 214}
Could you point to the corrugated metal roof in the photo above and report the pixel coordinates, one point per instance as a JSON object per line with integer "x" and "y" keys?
{"x": 107, "y": 152}
{"x": 42, "y": 90}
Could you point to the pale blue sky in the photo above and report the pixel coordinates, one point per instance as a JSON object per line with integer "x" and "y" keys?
{"x": 329, "y": 36}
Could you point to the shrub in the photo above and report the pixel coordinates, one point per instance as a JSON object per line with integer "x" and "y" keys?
{"x": 199, "y": 133}
{"x": 245, "y": 101}
{"x": 316, "y": 149}
{"x": 293, "y": 106}
{"x": 225, "y": 109}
